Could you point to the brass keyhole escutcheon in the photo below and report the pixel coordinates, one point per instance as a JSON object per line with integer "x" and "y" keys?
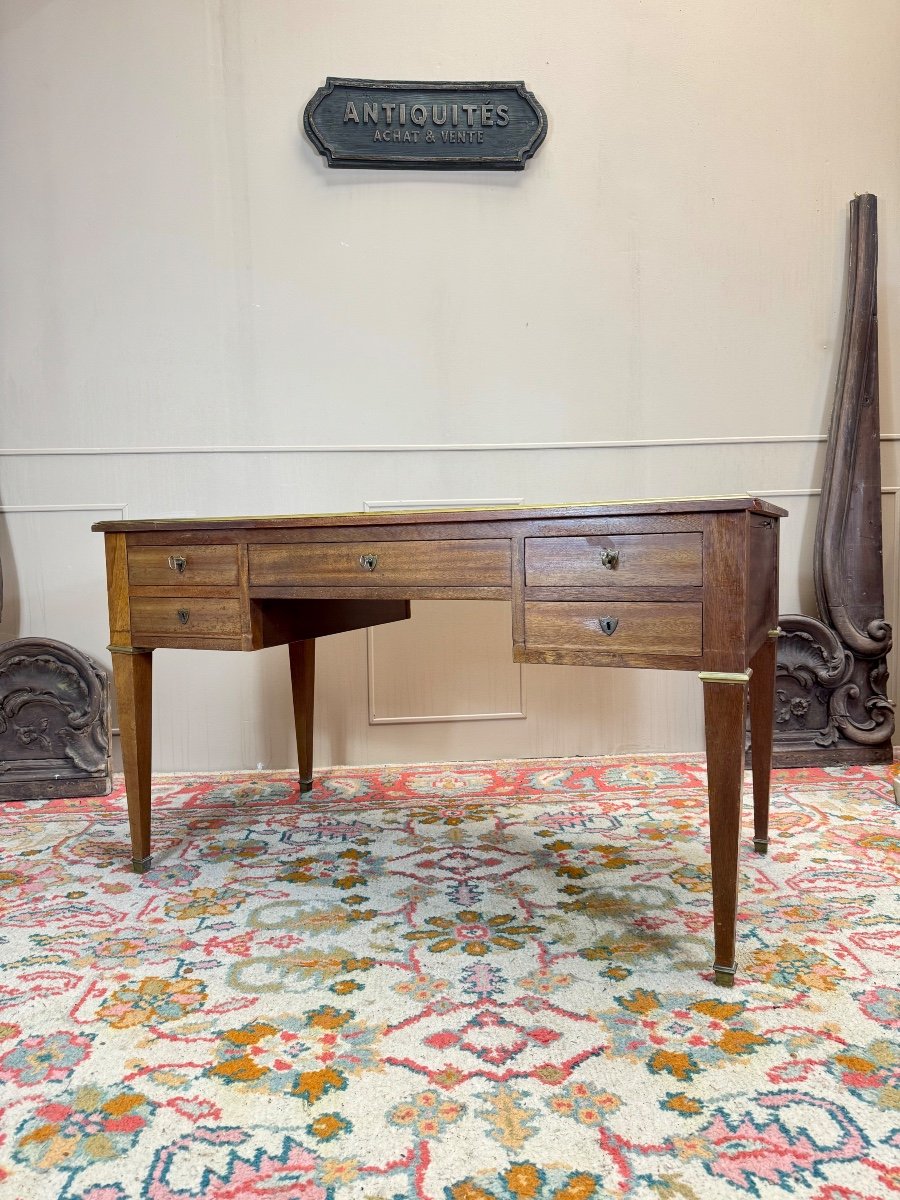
{"x": 177, "y": 563}
{"x": 608, "y": 625}
{"x": 609, "y": 559}
{"x": 183, "y": 615}
{"x": 368, "y": 562}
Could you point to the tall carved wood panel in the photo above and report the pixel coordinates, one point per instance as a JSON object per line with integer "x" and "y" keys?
{"x": 830, "y": 701}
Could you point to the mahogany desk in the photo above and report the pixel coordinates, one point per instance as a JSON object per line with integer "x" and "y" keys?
{"x": 684, "y": 585}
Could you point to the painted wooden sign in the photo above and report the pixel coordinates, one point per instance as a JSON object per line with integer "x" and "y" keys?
{"x": 378, "y": 123}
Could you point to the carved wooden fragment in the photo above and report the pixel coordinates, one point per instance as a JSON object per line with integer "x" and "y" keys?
{"x": 54, "y": 722}
{"x": 830, "y": 702}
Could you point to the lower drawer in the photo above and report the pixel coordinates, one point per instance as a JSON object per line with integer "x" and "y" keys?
{"x": 168, "y": 615}
{"x": 622, "y": 628}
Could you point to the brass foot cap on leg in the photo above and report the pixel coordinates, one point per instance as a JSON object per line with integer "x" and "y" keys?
{"x": 724, "y": 976}
{"x": 141, "y": 865}
{"x": 761, "y": 845}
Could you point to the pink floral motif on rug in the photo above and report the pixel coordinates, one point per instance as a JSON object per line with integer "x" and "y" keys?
{"x": 485, "y": 981}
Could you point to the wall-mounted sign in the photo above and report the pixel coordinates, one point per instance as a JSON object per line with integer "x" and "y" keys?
{"x": 378, "y": 123}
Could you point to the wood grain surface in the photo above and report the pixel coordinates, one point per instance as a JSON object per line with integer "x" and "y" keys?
{"x": 205, "y": 617}
{"x": 397, "y": 564}
{"x": 656, "y": 628}
{"x": 151, "y": 565}
{"x": 641, "y": 560}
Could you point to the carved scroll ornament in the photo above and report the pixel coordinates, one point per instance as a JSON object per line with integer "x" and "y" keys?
{"x": 54, "y": 721}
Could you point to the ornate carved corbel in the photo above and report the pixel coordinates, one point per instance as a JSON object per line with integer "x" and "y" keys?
{"x": 831, "y": 705}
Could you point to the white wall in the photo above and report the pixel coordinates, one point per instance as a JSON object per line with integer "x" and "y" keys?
{"x": 198, "y": 317}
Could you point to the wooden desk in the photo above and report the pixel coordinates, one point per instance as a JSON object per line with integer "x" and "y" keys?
{"x": 685, "y": 585}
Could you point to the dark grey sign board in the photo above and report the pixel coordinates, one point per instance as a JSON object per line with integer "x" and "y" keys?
{"x": 379, "y": 123}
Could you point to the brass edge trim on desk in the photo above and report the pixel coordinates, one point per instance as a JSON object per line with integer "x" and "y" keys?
{"x": 395, "y": 516}
{"x": 128, "y": 649}
{"x": 779, "y": 439}
{"x": 725, "y": 676}
{"x": 376, "y": 513}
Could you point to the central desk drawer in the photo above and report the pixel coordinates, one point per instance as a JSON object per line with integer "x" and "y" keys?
{"x": 447, "y": 563}
{"x": 186, "y": 617}
{"x": 618, "y": 628}
{"x": 616, "y": 560}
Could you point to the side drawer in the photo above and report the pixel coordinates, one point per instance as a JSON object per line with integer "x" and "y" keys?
{"x": 166, "y": 565}
{"x": 639, "y": 628}
{"x": 186, "y": 617}
{"x": 621, "y": 560}
{"x": 480, "y": 562}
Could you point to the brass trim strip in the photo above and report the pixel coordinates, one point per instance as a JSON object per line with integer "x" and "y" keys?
{"x": 128, "y": 650}
{"x": 725, "y": 676}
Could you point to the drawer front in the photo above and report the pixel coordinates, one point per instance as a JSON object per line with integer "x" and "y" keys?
{"x": 628, "y": 560}
{"x": 168, "y": 565}
{"x": 185, "y": 617}
{"x": 619, "y": 628}
{"x": 476, "y": 563}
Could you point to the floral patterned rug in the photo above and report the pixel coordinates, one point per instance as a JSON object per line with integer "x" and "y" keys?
{"x": 485, "y": 981}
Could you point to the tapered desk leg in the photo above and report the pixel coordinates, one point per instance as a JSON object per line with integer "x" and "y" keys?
{"x": 724, "y": 702}
{"x": 303, "y": 678}
{"x": 133, "y": 674}
{"x": 762, "y": 704}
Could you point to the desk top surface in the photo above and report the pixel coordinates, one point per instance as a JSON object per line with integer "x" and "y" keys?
{"x": 424, "y": 516}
